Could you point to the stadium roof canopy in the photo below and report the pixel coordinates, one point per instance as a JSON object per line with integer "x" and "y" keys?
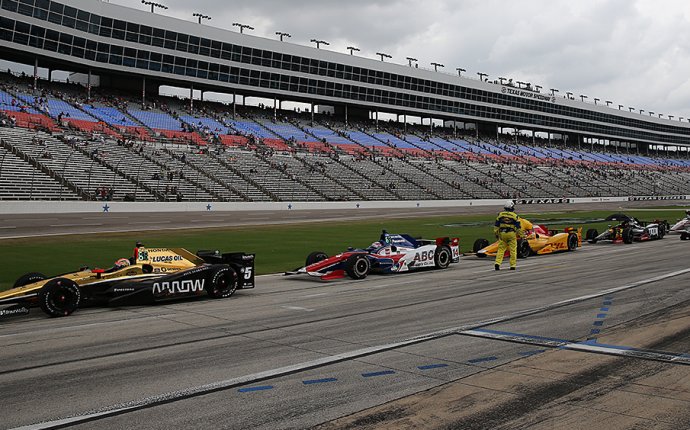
{"x": 134, "y": 46}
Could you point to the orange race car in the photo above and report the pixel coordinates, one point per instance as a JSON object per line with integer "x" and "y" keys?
{"x": 538, "y": 240}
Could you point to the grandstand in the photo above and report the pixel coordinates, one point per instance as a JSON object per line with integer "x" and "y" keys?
{"x": 73, "y": 141}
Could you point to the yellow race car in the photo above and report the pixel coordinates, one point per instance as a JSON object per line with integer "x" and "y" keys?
{"x": 538, "y": 240}
{"x": 152, "y": 275}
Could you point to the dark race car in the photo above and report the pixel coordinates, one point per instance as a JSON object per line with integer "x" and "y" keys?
{"x": 392, "y": 253}
{"x": 153, "y": 275}
{"x": 628, "y": 230}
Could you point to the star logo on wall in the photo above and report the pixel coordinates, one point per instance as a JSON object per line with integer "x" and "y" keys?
{"x": 106, "y": 208}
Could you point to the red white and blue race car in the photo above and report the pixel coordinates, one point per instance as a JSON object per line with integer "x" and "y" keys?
{"x": 392, "y": 253}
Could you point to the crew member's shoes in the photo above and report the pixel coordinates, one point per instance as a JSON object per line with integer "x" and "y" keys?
{"x": 497, "y": 267}
{"x": 512, "y": 268}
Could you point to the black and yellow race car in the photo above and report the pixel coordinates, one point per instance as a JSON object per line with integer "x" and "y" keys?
{"x": 152, "y": 275}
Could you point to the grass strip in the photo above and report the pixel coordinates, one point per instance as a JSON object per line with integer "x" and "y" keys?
{"x": 278, "y": 247}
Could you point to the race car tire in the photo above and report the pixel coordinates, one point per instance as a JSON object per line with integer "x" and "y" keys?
{"x": 442, "y": 257}
{"x": 222, "y": 283}
{"x": 685, "y": 236}
{"x": 523, "y": 249}
{"x": 591, "y": 235}
{"x": 59, "y": 297}
{"x": 480, "y": 244}
{"x": 662, "y": 230}
{"x": 357, "y": 266}
{"x": 315, "y": 257}
{"x": 627, "y": 235}
{"x": 572, "y": 242}
{"x": 29, "y": 278}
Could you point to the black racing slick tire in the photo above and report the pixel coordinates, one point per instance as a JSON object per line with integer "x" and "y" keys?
{"x": 59, "y": 297}
{"x": 480, "y": 244}
{"x": 222, "y": 283}
{"x": 357, "y": 266}
{"x": 572, "y": 242}
{"x": 591, "y": 235}
{"x": 662, "y": 230}
{"x": 315, "y": 257}
{"x": 442, "y": 257}
{"x": 29, "y": 278}
{"x": 627, "y": 235}
{"x": 685, "y": 236}
{"x": 523, "y": 249}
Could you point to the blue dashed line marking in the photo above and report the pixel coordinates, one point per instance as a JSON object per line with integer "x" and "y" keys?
{"x": 319, "y": 381}
{"x": 482, "y": 360}
{"x": 601, "y": 316}
{"x": 431, "y": 366}
{"x": 259, "y": 388}
{"x": 372, "y": 374}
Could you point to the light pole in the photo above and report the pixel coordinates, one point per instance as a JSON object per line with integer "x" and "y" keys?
{"x": 671, "y": 116}
{"x": 583, "y": 97}
{"x": 282, "y": 34}
{"x": 538, "y": 88}
{"x": 596, "y": 100}
{"x": 641, "y": 110}
{"x": 242, "y": 26}
{"x": 410, "y": 60}
{"x": 660, "y": 115}
{"x": 153, "y": 4}
{"x": 352, "y": 49}
{"x": 502, "y": 80}
{"x": 569, "y": 94}
{"x": 436, "y": 66}
{"x": 608, "y": 103}
{"x": 319, "y": 43}
{"x": 460, "y": 70}
{"x": 520, "y": 84}
{"x": 620, "y": 107}
{"x": 651, "y": 113}
{"x": 382, "y": 55}
{"x": 482, "y": 75}
{"x": 554, "y": 91}
{"x": 201, "y": 16}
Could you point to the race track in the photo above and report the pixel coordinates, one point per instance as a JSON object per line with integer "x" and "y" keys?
{"x": 41, "y": 225}
{"x": 466, "y": 347}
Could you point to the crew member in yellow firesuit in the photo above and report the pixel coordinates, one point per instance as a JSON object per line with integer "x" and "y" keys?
{"x": 507, "y": 230}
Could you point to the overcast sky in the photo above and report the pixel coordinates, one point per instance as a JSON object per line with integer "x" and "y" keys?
{"x": 632, "y": 52}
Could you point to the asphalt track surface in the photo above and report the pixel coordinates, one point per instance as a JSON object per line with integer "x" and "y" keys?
{"x": 566, "y": 341}
{"x": 41, "y": 225}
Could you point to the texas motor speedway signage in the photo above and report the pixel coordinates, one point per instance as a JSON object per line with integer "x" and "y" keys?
{"x": 512, "y": 91}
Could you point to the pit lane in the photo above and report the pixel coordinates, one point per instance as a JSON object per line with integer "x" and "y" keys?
{"x": 297, "y": 353}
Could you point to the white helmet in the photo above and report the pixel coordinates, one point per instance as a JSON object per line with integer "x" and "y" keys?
{"x": 509, "y": 205}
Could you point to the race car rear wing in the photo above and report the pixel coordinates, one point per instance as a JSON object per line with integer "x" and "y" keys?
{"x": 243, "y": 263}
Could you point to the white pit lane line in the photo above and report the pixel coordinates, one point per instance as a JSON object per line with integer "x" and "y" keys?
{"x": 327, "y": 360}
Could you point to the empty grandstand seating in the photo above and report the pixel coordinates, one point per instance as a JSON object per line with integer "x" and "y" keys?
{"x": 255, "y": 157}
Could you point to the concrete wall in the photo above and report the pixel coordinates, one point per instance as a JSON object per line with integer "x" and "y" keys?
{"x": 51, "y": 207}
